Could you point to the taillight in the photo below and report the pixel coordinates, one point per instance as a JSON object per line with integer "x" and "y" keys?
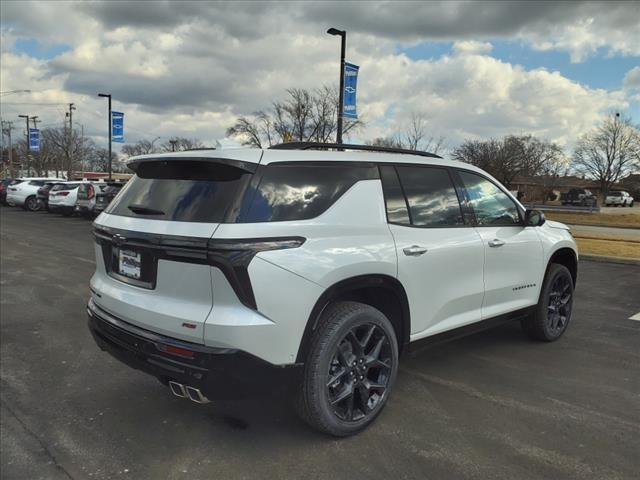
{"x": 63, "y": 194}
{"x": 91, "y": 193}
{"x": 181, "y": 352}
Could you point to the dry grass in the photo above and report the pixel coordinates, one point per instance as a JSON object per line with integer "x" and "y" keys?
{"x": 606, "y": 236}
{"x": 610, "y": 248}
{"x": 626, "y": 220}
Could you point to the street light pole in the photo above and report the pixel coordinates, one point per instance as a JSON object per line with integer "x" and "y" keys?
{"x": 108, "y": 95}
{"x": 343, "y": 47}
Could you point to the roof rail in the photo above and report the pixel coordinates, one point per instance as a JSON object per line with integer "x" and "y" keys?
{"x": 347, "y": 146}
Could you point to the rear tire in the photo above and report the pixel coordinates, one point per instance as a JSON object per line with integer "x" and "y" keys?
{"x": 553, "y": 312}
{"x": 31, "y": 204}
{"x": 350, "y": 369}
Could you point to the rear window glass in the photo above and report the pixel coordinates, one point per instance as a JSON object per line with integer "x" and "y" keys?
{"x": 301, "y": 191}
{"x": 64, "y": 187}
{"x": 616, "y": 194}
{"x": 183, "y": 190}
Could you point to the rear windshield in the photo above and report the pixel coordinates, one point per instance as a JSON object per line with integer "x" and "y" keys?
{"x": 615, "y": 194}
{"x": 183, "y": 191}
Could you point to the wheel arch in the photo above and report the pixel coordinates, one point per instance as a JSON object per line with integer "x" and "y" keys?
{"x": 565, "y": 256}
{"x": 383, "y": 292}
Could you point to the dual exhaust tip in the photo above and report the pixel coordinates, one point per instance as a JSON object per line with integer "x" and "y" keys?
{"x": 186, "y": 391}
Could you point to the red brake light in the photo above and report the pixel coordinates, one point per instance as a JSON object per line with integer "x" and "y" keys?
{"x": 91, "y": 193}
{"x": 63, "y": 194}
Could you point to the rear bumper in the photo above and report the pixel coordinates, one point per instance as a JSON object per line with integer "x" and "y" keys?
{"x": 219, "y": 373}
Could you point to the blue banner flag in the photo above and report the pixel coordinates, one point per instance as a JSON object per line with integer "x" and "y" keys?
{"x": 117, "y": 127}
{"x": 34, "y": 140}
{"x": 349, "y": 94}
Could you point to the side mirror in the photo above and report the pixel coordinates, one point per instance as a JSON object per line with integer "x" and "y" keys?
{"x": 533, "y": 218}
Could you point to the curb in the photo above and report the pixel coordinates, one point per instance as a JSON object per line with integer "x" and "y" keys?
{"x": 606, "y": 259}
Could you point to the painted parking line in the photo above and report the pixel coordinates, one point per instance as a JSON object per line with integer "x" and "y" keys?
{"x": 635, "y": 317}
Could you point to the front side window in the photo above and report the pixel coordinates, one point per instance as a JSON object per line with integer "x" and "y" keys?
{"x": 300, "y": 191}
{"x": 431, "y": 196}
{"x": 490, "y": 204}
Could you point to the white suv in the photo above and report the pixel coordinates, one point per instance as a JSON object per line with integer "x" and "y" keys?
{"x": 315, "y": 266}
{"x": 619, "y": 198}
{"x": 23, "y": 192}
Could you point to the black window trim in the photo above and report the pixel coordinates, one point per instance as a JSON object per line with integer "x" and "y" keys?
{"x": 521, "y": 211}
{"x": 411, "y": 225}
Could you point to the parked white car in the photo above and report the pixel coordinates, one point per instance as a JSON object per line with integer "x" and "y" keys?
{"x": 63, "y": 196}
{"x": 618, "y": 199}
{"x": 319, "y": 265}
{"x": 86, "y": 197}
{"x": 23, "y": 192}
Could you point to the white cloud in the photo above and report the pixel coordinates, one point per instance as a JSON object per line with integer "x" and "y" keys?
{"x": 471, "y": 47}
{"x": 632, "y": 79}
{"x": 191, "y": 68}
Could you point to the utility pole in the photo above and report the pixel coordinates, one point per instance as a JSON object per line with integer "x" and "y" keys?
{"x": 343, "y": 47}
{"x": 108, "y": 95}
{"x": 70, "y": 115}
{"x": 27, "y": 118}
{"x": 7, "y": 129}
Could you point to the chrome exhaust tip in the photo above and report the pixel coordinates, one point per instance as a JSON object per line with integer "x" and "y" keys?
{"x": 196, "y": 395}
{"x": 177, "y": 389}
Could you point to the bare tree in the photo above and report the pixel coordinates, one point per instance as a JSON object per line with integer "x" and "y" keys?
{"x": 98, "y": 160}
{"x": 414, "y": 136}
{"x": 609, "y": 152}
{"x": 181, "y": 143}
{"x": 141, "y": 147}
{"x": 304, "y": 116}
{"x": 511, "y": 156}
{"x": 66, "y": 148}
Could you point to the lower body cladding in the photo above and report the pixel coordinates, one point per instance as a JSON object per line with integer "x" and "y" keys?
{"x": 191, "y": 370}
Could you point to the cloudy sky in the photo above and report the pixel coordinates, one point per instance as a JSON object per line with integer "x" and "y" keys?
{"x": 472, "y": 69}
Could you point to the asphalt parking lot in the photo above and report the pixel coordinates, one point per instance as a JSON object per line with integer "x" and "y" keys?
{"x": 494, "y": 405}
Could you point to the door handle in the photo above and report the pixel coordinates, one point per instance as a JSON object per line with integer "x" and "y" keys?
{"x": 414, "y": 251}
{"x": 496, "y": 242}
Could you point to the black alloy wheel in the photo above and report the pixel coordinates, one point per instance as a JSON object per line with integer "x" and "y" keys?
{"x": 553, "y": 312}
{"x": 559, "y": 304}
{"x": 359, "y": 372}
{"x": 349, "y": 370}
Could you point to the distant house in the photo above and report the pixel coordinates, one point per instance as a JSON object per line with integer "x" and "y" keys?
{"x": 533, "y": 189}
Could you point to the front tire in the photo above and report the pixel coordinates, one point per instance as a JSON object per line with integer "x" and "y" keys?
{"x": 350, "y": 369}
{"x": 553, "y": 312}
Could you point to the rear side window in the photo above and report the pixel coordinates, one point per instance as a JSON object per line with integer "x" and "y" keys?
{"x": 300, "y": 191}
{"x": 183, "y": 191}
{"x": 420, "y": 196}
{"x": 397, "y": 210}
{"x": 36, "y": 183}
